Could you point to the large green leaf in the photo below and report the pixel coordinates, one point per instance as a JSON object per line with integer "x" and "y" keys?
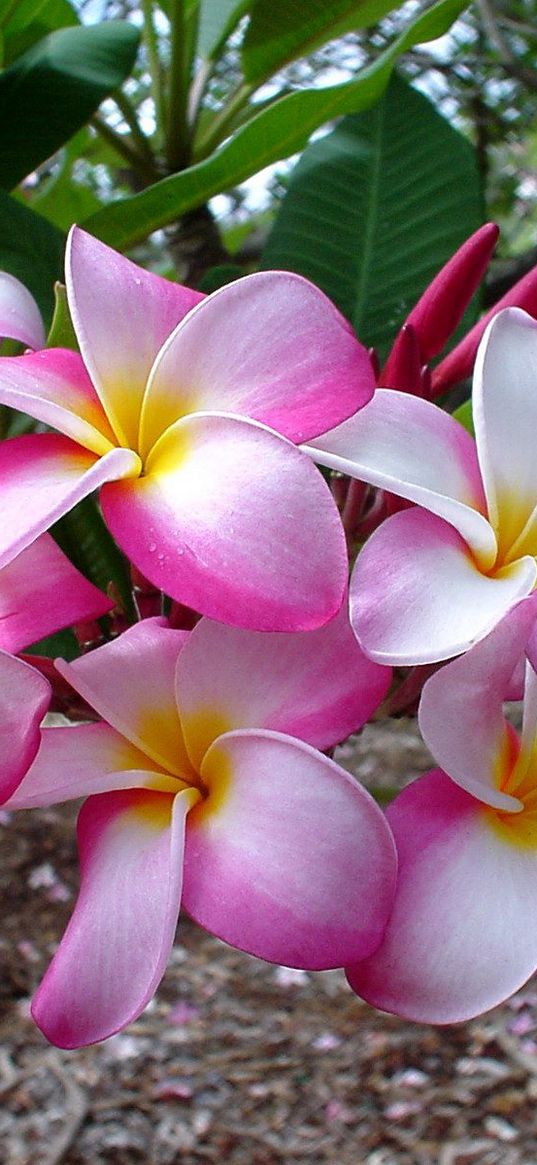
{"x": 280, "y": 32}
{"x": 64, "y": 198}
{"x": 274, "y": 133}
{"x": 51, "y": 91}
{"x": 217, "y": 20}
{"x": 23, "y": 22}
{"x": 374, "y": 209}
{"x": 32, "y": 249}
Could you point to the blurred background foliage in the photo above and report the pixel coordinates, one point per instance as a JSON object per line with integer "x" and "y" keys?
{"x": 175, "y": 130}
{"x": 358, "y": 142}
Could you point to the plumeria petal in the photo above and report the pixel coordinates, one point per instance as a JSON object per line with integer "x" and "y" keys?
{"x": 462, "y": 934}
{"x": 83, "y": 759}
{"x": 116, "y": 946}
{"x": 458, "y": 364}
{"x": 414, "y": 449}
{"x": 531, "y": 652}
{"x": 122, "y": 315}
{"x": 54, "y": 387}
{"x": 24, "y": 699}
{"x": 461, "y": 711}
{"x": 41, "y": 592}
{"x": 528, "y": 736}
{"x": 130, "y": 682}
{"x": 20, "y": 318}
{"x": 232, "y": 520}
{"x": 504, "y": 399}
{"x": 42, "y": 476}
{"x": 288, "y": 857}
{"x": 319, "y": 687}
{"x": 417, "y": 596}
{"x": 271, "y": 347}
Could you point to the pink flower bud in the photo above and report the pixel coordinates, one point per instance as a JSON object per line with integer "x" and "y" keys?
{"x": 459, "y": 363}
{"x": 443, "y": 303}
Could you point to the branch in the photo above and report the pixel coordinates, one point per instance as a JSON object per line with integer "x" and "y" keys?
{"x": 511, "y": 64}
{"x": 154, "y": 63}
{"x": 140, "y": 142}
{"x": 177, "y": 130}
{"x": 123, "y": 147}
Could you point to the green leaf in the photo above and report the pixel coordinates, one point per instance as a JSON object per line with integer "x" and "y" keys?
{"x": 62, "y": 643}
{"x": 32, "y": 249}
{"x": 66, "y": 202}
{"x": 218, "y": 18}
{"x": 64, "y": 199}
{"x": 62, "y": 333}
{"x": 219, "y": 276}
{"x": 51, "y": 91}
{"x": 280, "y": 32}
{"x": 86, "y": 540}
{"x": 274, "y": 133}
{"x": 369, "y": 214}
{"x": 31, "y": 20}
{"x": 464, "y": 416}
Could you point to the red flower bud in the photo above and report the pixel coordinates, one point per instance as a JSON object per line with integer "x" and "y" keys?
{"x": 442, "y": 305}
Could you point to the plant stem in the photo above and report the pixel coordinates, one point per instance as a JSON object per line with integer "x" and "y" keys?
{"x": 139, "y": 139}
{"x": 154, "y": 64}
{"x": 177, "y": 131}
{"x": 197, "y": 91}
{"x": 223, "y": 119}
{"x": 125, "y": 149}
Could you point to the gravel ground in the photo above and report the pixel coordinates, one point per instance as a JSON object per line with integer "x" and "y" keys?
{"x": 243, "y": 1062}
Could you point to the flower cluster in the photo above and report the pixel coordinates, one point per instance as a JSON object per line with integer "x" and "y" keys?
{"x": 204, "y": 747}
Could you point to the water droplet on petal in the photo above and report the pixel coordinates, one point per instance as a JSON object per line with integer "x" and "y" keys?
{"x": 152, "y": 547}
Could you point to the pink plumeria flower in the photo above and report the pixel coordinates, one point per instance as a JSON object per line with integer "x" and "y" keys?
{"x": 24, "y": 700}
{"x": 185, "y": 411}
{"x": 462, "y": 934}
{"x": 435, "y": 578}
{"x": 42, "y": 592}
{"x": 206, "y": 788}
{"x": 20, "y": 318}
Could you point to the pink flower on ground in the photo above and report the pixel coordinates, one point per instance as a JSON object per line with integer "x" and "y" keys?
{"x": 42, "y": 592}
{"x": 435, "y": 578}
{"x": 462, "y": 935}
{"x": 206, "y": 788}
{"x": 185, "y": 412}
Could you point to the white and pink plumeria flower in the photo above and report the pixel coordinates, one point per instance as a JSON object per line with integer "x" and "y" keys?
{"x": 185, "y": 411}
{"x": 20, "y": 318}
{"x": 24, "y": 700}
{"x": 436, "y": 577}
{"x": 205, "y": 788}
{"x": 462, "y": 935}
{"x": 42, "y": 592}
